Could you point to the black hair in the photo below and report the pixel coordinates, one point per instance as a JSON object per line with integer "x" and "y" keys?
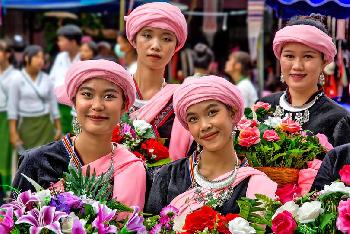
{"x": 93, "y": 47}
{"x": 29, "y": 52}
{"x": 315, "y": 20}
{"x": 71, "y": 32}
{"x": 202, "y": 56}
{"x": 6, "y": 47}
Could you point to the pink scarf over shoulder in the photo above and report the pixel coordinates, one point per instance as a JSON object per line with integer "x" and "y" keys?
{"x": 258, "y": 183}
{"x": 129, "y": 176}
{"x": 181, "y": 139}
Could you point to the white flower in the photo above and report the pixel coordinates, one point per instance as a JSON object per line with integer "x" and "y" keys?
{"x": 179, "y": 222}
{"x": 240, "y": 226}
{"x": 290, "y": 206}
{"x": 309, "y": 211}
{"x": 67, "y": 223}
{"x": 273, "y": 121}
{"x": 44, "y": 197}
{"x": 141, "y": 126}
{"x": 335, "y": 187}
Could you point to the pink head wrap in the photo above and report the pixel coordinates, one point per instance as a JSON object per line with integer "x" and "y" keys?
{"x": 81, "y": 71}
{"x": 307, "y": 35}
{"x": 198, "y": 89}
{"x": 157, "y": 15}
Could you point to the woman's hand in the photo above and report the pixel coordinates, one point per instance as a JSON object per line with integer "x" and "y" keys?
{"x": 15, "y": 139}
{"x": 58, "y": 134}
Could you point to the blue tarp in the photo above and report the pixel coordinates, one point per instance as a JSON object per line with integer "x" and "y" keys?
{"x": 288, "y": 8}
{"x": 50, "y": 4}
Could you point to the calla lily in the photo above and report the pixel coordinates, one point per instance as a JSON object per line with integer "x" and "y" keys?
{"x": 104, "y": 215}
{"x": 47, "y": 218}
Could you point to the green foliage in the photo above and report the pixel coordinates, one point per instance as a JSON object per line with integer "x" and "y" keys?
{"x": 94, "y": 187}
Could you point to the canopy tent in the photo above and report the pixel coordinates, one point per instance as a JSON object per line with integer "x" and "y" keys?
{"x": 287, "y": 8}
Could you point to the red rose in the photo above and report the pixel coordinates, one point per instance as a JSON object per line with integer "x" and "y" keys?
{"x": 284, "y": 223}
{"x": 345, "y": 174}
{"x": 222, "y": 225}
{"x": 200, "y": 219}
{"x": 139, "y": 155}
{"x": 155, "y": 150}
{"x": 288, "y": 125}
{"x": 263, "y": 105}
{"x": 117, "y": 137}
{"x": 249, "y": 136}
{"x": 246, "y": 123}
{"x": 288, "y": 192}
{"x": 271, "y": 135}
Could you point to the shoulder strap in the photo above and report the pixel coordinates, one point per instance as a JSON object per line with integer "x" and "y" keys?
{"x": 69, "y": 148}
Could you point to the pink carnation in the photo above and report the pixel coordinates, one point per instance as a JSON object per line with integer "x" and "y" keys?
{"x": 343, "y": 220}
{"x": 246, "y": 123}
{"x": 263, "y": 105}
{"x": 284, "y": 223}
{"x": 249, "y": 136}
{"x": 324, "y": 141}
{"x": 344, "y": 173}
{"x": 288, "y": 125}
{"x": 271, "y": 135}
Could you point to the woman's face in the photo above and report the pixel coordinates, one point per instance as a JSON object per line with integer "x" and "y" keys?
{"x": 4, "y": 56}
{"x": 37, "y": 62}
{"x": 301, "y": 66}
{"x": 210, "y": 124}
{"x": 99, "y": 104}
{"x": 155, "y": 47}
{"x": 85, "y": 52}
{"x": 125, "y": 46}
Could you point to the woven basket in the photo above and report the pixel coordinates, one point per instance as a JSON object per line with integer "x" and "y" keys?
{"x": 281, "y": 175}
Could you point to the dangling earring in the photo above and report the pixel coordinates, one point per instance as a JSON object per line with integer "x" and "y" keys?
{"x": 233, "y": 134}
{"x": 282, "y": 78}
{"x": 321, "y": 79}
{"x": 76, "y": 126}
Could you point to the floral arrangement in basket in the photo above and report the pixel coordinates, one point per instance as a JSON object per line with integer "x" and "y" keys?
{"x": 205, "y": 220}
{"x": 139, "y": 138}
{"x": 327, "y": 211}
{"x": 84, "y": 212}
{"x": 272, "y": 144}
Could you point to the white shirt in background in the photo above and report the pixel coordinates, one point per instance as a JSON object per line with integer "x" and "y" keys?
{"x": 60, "y": 67}
{"x": 5, "y": 80}
{"x": 248, "y": 92}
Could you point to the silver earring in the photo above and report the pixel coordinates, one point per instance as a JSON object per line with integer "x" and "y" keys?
{"x": 76, "y": 126}
{"x": 321, "y": 79}
{"x": 233, "y": 134}
{"x": 198, "y": 148}
{"x": 282, "y": 78}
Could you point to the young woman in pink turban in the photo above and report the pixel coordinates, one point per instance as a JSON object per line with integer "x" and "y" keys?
{"x": 303, "y": 49}
{"x": 209, "y": 107}
{"x": 157, "y": 30}
{"x": 100, "y": 91}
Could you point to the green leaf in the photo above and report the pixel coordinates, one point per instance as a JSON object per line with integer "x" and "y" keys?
{"x": 327, "y": 219}
{"x": 159, "y": 163}
{"x": 37, "y": 186}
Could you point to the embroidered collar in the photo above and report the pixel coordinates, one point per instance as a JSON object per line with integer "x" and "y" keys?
{"x": 283, "y": 102}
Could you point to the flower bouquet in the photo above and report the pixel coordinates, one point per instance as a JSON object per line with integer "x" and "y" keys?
{"x": 139, "y": 138}
{"x": 327, "y": 211}
{"x": 49, "y": 211}
{"x": 278, "y": 147}
{"x": 202, "y": 221}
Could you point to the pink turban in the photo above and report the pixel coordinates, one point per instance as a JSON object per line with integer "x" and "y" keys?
{"x": 198, "y": 89}
{"x": 157, "y": 15}
{"x": 82, "y": 71}
{"x": 307, "y": 35}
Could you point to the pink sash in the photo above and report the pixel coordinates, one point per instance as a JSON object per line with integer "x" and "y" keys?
{"x": 258, "y": 183}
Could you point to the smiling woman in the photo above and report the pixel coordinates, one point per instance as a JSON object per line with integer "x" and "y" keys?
{"x": 304, "y": 49}
{"x": 100, "y": 91}
{"x": 209, "y": 107}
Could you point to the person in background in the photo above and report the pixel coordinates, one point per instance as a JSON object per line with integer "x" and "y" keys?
{"x": 88, "y": 50}
{"x": 124, "y": 50}
{"x": 105, "y": 51}
{"x": 304, "y": 48}
{"x": 238, "y": 67}
{"x": 32, "y": 106}
{"x": 7, "y": 74}
{"x": 68, "y": 41}
{"x": 203, "y": 56}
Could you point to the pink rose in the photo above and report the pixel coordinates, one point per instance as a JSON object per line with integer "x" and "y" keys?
{"x": 284, "y": 223}
{"x": 288, "y": 125}
{"x": 263, "y": 105}
{"x": 246, "y": 123}
{"x": 288, "y": 192}
{"x": 249, "y": 136}
{"x": 324, "y": 141}
{"x": 271, "y": 135}
{"x": 343, "y": 220}
{"x": 344, "y": 173}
